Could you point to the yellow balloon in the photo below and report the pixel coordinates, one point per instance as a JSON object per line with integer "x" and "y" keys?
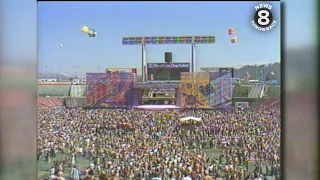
{"x": 85, "y": 29}
{"x": 234, "y": 39}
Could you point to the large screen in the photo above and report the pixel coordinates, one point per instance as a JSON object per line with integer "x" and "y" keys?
{"x": 169, "y": 40}
{"x": 166, "y": 71}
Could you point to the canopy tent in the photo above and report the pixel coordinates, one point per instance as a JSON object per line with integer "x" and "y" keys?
{"x": 190, "y": 118}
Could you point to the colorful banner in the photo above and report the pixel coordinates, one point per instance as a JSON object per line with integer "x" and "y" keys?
{"x": 169, "y": 40}
{"x": 127, "y": 70}
{"x": 111, "y": 89}
{"x": 205, "y": 89}
{"x": 221, "y": 89}
{"x": 191, "y": 85}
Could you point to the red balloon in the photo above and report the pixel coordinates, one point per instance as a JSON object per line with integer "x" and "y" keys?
{"x": 231, "y": 31}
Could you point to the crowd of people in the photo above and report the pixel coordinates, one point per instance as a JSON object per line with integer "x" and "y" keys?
{"x": 131, "y": 144}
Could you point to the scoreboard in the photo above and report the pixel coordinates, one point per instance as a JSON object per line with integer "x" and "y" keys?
{"x": 168, "y": 40}
{"x": 166, "y": 71}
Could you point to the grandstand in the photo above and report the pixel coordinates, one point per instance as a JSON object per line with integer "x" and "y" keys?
{"x": 255, "y": 70}
{"x": 64, "y": 77}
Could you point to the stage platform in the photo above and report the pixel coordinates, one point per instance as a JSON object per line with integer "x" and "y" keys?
{"x": 157, "y": 107}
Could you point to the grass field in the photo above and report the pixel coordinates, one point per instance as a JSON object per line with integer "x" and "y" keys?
{"x": 43, "y": 168}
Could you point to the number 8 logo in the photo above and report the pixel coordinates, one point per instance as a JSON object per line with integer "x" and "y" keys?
{"x": 263, "y": 17}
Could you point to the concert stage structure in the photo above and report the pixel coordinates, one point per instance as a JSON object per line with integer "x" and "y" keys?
{"x": 195, "y": 90}
{"x": 192, "y": 89}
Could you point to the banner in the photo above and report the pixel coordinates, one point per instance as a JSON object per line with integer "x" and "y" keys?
{"x": 205, "y": 89}
{"x": 110, "y": 89}
{"x": 221, "y": 89}
{"x": 192, "y": 84}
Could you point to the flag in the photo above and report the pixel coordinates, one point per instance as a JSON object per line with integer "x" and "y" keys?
{"x": 206, "y": 90}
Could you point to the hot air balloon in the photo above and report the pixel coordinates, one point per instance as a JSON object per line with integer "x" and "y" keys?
{"x": 89, "y": 31}
{"x": 234, "y": 40}
{"x": 231, "y": 31}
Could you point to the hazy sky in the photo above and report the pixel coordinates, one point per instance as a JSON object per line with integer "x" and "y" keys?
{"x": 60, "y": 23}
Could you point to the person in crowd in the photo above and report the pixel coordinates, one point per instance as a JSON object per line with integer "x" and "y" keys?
{"x": 75, "y": 173}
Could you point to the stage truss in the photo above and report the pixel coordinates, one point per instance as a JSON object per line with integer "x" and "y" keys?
{"x": 162, "y": 40}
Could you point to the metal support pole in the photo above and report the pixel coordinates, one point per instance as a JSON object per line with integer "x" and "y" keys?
{"x": 256, "y": 67}
{"x": 142, "y": 62}
{"x": 145, "y": 62}
{"x": 191, "y": 61}
{"x": 193, "y": 57}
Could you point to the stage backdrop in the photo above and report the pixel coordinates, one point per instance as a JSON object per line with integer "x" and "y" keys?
{"x": 112, "y": 89}
{"x": 191, "y": 85}
{"x": 221, "y": 88}
{"x": 205, "y": 89}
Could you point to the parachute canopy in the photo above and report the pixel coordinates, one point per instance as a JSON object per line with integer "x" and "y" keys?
{"x": 231, "y": 31}
{"x": 89, "y": 31}
{"x": 234, "y": 40}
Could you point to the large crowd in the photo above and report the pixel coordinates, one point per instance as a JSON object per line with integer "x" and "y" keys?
{"x": 130, "y": 144}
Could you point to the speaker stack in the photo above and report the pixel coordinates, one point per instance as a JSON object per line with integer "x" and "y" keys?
{"x": 168, "y": 57}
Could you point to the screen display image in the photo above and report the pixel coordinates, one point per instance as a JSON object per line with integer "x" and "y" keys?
{"x": 165, "y": 74}
{"x": 166, "y": 71}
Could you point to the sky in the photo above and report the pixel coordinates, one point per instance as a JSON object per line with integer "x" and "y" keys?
{"x": 20, "y": 19}
{"x": 60, "y": 23}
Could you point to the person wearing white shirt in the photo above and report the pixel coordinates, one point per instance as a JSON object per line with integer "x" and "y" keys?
{"x": 91, "y": 165}
{"x": 52, "y": 170}
{"x": 187, "y": 178}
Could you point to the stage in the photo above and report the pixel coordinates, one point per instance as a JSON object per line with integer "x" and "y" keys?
{"x": 157, "y": 107}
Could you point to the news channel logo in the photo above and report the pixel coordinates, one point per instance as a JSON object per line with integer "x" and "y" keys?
{"x": 263, "y": 19}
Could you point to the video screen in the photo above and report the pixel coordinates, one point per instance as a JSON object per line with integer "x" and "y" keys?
{"x": 165, "y": 74}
